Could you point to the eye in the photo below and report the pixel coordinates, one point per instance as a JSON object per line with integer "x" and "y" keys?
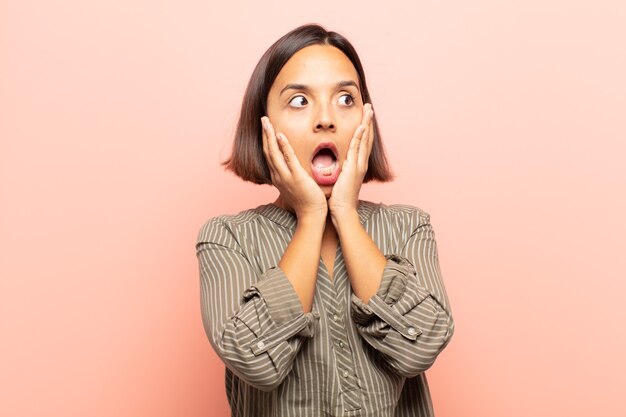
{"x": 349, "y": 99}
{"x": 300, "y": 100}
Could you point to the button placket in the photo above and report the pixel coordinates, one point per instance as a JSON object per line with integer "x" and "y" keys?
{"x": 335, "y": 301}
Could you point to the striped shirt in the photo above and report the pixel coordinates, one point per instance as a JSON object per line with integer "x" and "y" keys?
{"x": 344, "y": 357}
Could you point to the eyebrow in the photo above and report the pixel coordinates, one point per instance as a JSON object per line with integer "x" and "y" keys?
{"x": 306, "y": 88}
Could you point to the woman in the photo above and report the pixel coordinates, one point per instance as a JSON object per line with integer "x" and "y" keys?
{"x": 320, "y": 304}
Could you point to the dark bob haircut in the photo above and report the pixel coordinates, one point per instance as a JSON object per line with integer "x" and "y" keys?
{"x": 247, "y": 159}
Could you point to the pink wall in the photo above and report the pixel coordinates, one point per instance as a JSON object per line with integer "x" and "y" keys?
{"x": 504, "y": 121}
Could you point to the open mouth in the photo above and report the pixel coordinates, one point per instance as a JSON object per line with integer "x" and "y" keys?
{"x": 325, "y": 161}
{"x": 325, "y": 164}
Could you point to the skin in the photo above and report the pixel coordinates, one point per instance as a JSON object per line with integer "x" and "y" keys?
{"x": 297, "y": 121}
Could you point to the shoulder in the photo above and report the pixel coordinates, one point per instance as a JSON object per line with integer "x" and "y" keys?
{"x": 223, "y": 229}
{"x": 404, "y": 215}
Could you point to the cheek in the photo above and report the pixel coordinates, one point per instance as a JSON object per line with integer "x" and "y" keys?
{"x": 354, "y": 119}
{"x": 295, "y": 128}
{"x": 350, "y": 120}
{"x": 300, "y": 152}
{"x": 296, "y": 134}
{"x": 349, "y": 125}
{"x": 291, "y": 126}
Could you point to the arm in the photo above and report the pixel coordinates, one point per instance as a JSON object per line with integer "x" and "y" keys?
{"x": 302, "y": 256}
{"x": 408, "y": 319}
{"x": 364, "y": 261}
{"x": 399, "y": 307}
{"x": 254, "y": 321}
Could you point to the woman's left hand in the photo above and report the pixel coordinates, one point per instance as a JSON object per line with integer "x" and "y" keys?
{"x": 345, "y": 195}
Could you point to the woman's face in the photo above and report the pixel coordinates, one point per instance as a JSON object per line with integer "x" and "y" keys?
{"x": 315, "y": 99}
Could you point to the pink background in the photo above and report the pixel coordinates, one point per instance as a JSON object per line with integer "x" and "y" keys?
{"x": 503, "y": 120}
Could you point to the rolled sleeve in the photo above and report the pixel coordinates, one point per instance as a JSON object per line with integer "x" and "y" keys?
{"x": 284, "y": 310}
{"x": 279, "y": 295}
{"x": 391, "y": 302}
{"x": 409, "y": 319}
{"x": 253, "y": 319}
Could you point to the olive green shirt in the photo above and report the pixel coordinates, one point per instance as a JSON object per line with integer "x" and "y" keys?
{"x": 345, "y": 357}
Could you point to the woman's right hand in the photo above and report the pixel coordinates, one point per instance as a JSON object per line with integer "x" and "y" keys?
{"x": 297, "y": 189}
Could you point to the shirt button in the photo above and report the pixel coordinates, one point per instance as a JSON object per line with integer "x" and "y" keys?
{"x": 345, "y": 374}
{"x": 260, "y": 345}
{"x": 335, "y": 317}
{"x": 341, "y": 345}
{"x": 412, "y": 331}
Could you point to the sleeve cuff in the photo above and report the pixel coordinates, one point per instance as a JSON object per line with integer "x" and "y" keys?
{"x": 279, "y": 295}
{"x": 387, "y": 314}
{"x": 394, "y": 281}
{"x": 387, "y": 303}
{"x": 392, "y": 286}
{"x": 303, "y": 325}
{"x": 284, "y": 309}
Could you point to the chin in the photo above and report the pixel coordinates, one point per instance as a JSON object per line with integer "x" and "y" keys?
{"x": 327, "y": 189}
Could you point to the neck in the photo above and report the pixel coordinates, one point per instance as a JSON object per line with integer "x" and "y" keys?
{"x": 329, "y": 228}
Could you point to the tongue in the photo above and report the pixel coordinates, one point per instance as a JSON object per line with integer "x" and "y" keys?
{"x": 322, "y": 160}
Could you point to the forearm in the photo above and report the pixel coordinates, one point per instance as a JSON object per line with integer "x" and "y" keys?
{"x": 364, "y": 261}
{"x": 254, "y": 346}
{"x": 300, "y": 261}
{"x": 253, "y": 317}
{"x": 408, "y": 320}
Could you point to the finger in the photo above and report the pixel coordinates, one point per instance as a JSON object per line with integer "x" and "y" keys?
{"x": 366, "y": 123}
{"x": 366, "y": 142}
{"x": 367, "y": 116}
{"x": 362, "y": 153}
{"x": 353, "y": 151}
{"x": 276, "y": 153}
{"x": 289, "y": 155}
{"x": 266, "y": 150}
{"x": 366, "y": 109}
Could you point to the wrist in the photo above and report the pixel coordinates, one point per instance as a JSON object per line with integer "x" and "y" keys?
{"x": 311, "y": 219}
{"x": 345, "y": 219}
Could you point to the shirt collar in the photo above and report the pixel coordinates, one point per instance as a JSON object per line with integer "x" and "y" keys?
{"x": 285, "y": 218}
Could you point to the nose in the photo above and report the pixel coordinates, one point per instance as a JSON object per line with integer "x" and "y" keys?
{"x": 325, "y": 118}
